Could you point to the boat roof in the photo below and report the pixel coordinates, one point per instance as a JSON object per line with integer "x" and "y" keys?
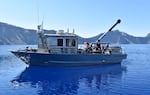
{"x": 60, "y": 35}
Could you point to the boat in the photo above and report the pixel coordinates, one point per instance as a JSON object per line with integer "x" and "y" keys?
{"x": 62, "y": 49}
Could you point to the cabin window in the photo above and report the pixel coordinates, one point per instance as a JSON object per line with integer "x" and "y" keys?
{"x": 59, "y": 42}
{"x": 67, "y": 42}
{"x": 70, "y": 42}
{"x": 73, "y": 42}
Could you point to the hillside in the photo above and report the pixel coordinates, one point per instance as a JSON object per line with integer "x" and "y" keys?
{"x": 10, "y": 34}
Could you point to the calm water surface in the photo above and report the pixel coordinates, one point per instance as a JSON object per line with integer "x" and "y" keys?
{"x": 132, "y": 77}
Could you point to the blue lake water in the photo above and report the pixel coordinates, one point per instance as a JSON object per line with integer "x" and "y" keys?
{"x": 131, "y": 77}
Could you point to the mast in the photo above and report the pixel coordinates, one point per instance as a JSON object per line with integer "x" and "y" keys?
{"x": 104, "y": 34}
{"x": 42, "y": 44}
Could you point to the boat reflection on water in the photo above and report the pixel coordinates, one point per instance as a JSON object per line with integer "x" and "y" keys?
{"x": 70, "y": 80}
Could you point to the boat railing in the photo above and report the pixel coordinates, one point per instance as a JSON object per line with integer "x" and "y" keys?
{"x": 63, "y": 50}
{"x": 101, "y": 48}
{"x": 115, "y": 49}
{"x": 27, "y": 49}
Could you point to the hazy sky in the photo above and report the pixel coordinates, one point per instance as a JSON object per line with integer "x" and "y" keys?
{"x": 87, "y": 17}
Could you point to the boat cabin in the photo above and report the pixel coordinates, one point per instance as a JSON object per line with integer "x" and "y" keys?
{"x": 62, "y": 42}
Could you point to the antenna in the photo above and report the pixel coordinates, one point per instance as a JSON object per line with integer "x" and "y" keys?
{"x": 68, "y": 30}
{"x": 38, "y": 11}
{"x": 43, "y": 20}
{"x": 73, "y": 31}
{"x": 40, "y": 25}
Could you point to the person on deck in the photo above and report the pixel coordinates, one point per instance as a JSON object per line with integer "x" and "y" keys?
{"x": 87, "y": 47}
